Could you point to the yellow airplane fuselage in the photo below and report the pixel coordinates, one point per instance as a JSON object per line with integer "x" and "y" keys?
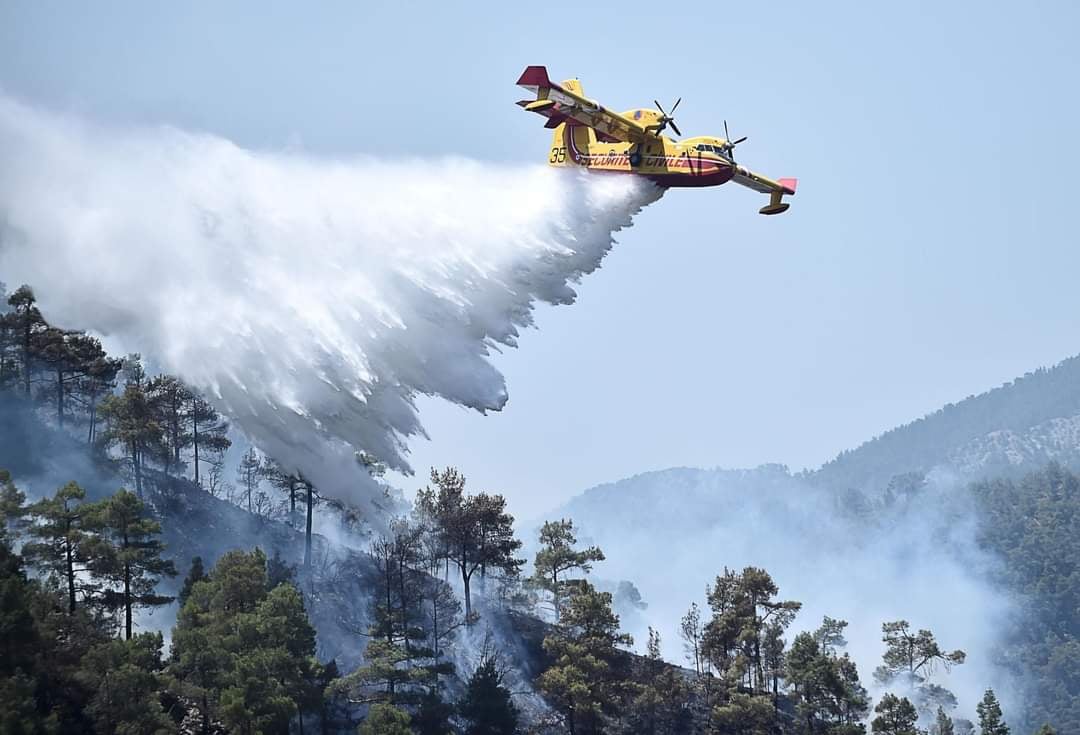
{"x": 691, "y": 162}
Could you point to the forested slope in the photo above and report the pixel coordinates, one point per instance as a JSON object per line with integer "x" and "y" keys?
{"x": 1035, "y": 398}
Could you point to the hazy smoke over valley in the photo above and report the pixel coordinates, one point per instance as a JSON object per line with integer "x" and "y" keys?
{"x": 311, "y": 299}
{"x": 840, "y": 552}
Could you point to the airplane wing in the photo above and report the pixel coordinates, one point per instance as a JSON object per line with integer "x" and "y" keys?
{"x": 775, "y": 189}
{"x": 559, "y": 104}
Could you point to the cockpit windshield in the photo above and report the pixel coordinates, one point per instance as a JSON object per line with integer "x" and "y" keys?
{"x": 711, "y": 149}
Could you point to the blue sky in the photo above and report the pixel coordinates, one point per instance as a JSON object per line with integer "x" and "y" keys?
{"x": 930, "y": 253}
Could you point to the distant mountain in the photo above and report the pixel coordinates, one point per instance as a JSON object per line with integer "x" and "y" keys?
{"x": 1020, "y": 425}
{"x": 885, "y": 531}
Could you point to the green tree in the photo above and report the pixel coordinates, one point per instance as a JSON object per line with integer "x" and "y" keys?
{"x": 745, "y": 714}
{"x": 127, "y": 555}
{"x": 41, "y": 647}
{"x": 20, "y": 645}
{"x": 70, "y": 357}
{"x": 399, "y": 667}
{"x": 97, "y": 381}
{"x": 432, "y": 715}
{"x": 911, "y": 654}
{"x": 385, "y": 719}
{"x": 26, "y": 323}
{"x": 584, "y": 682}
{"x": 1046, "y": 729}
{"x": 169, "y": 397}
{"x": 131, "y": 420}
{"x": 195, "y": 574}
{"x": 123, "y": 677}
{"x": 13, "y": 508}
{"x": 558, "y": 557}
{"x": 295, "y": 485}
{"x": 830, "y": 636}
{"x": 245, "y": 654}
{"x": 209, "y": 432}
{"x": 745, "y": 616}
{"x": 487, "y": 705}
{"x": 658, "y": 695}
{"x": 476, "y": 532}
{"x": 895, "y": 716}
{"x": 943, "y": 724}
{"x": 62, "y": 529}
{"x": 249, "y": 474}
{"x": 275, "y": 674}
{"x": 19, "y": 639}
{"x": 825, "y": 687}
{"x": 911, "y": 658}
{"x": 991, "y": 720}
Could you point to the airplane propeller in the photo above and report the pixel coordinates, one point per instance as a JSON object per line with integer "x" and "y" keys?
{"x": 666, "y": 119}
{"x": 729, "y": 144}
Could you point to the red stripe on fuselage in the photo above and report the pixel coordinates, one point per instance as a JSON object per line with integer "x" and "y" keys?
{"x": 702, "y": 171}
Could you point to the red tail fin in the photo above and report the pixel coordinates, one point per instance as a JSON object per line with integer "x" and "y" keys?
{"x": 534, "y": 76}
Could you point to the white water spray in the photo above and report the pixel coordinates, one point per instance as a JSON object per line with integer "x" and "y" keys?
{"x": 311, "y": 299}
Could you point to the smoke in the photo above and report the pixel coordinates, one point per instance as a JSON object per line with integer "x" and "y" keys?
{"x": 841, "y": 555}
{"x": 312, "y": 300}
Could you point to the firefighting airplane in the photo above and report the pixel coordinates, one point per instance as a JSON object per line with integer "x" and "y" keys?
{"x": 588, "y": 134}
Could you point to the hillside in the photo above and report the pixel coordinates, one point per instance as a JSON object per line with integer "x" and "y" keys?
{"x": 1015, "y": 408}
{"x": 881, "y": 532}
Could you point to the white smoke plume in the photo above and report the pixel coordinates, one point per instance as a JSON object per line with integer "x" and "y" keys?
{"x": 310, "y": 299}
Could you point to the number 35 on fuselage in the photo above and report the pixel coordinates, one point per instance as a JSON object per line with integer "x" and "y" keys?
{"x": 589, "y": 135}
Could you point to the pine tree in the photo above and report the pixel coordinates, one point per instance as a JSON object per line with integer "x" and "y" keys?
{"x": 487, "y": 705}
{"x": 127, "y": 554}
{"x": 20, "y": 646}
{"x": 26, "y": 323}
{"x": 584, "y": 681}
{"x": 13, "y": 508}
{"x": 249, "y": 474}
{"x": 63, "y": 530}
{"x": 243, "y": 653}
{"x": 275, "y": 674}
{"x": 911, "y": 657}
{"x": 169, "y": 397}
{"x": 558, "y": 557}
{"x": 195, "y": 574}
{"x": 123, "y": 678}
{"x": 658, "y": 695}
{"x": 991, "y": 720}
{"x": 98, "y": 381}
{"x": 131, "y": 421}
{"x": 476, "y": 532}
{"x": 895, "y": 716}
{"x": 385, "y": 719}
{"x": 943, "y": 724}
{"x": 209, "y": 432}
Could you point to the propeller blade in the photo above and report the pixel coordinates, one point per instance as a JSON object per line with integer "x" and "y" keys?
{"x": 675, "y": 128}
{"x": 727, "y": 136}
{"x": 675, "y": 105}
{"x": 659, "y": 107}
{"x": 740, "y": 140}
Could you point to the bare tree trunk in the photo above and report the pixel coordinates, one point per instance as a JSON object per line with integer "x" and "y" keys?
{"x": 60, "y": 397}
{"x": 26, "y": 356}
{"x": 136, "y": 463}
{"x": 127, "y": 599}
{"x": 307, "y": 528}
{"x": 195, "y": 434}
{"x": 70, "y": 577}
